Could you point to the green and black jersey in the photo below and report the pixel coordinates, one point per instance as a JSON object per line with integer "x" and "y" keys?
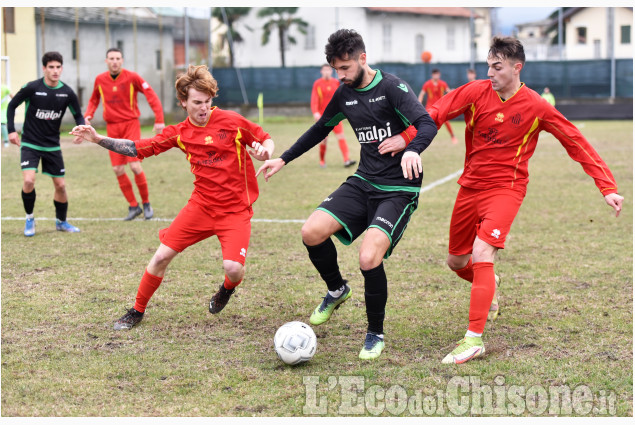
{"x": 384, "y": 108}
{"x": 45, "y": 108}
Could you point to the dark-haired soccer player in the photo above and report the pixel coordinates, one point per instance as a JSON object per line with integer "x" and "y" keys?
{"x": 216, "y": 144}
{"x": 504, "y": 118}
{"x": 47, "y": 99}
{"x": 379, "y": 198}
{"x": 117, "y": 89}
{"x": 321, "y": 94}
{"x": 433, "y": 90}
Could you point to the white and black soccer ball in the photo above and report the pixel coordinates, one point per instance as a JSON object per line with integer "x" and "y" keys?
{"x": 295, "y": 342}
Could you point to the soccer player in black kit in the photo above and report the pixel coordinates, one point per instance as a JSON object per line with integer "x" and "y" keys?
{"x": 47, "y": 99}
{"x": 382, "y": 194}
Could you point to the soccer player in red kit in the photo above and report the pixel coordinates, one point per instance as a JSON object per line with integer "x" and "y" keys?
{"x": 216, "y": 143}
{"x": 321, "y": 95}
{"x": 433, "y": 90}
{"x": 117, "y": 89}
{"x": 504, "y": 118}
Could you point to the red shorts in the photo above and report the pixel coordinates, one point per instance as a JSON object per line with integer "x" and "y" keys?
{"x": 130, "y": 130}
{"x": 195, "y": 223}
{"x": 339, "y": 128}
{"x": 488, "y": 214}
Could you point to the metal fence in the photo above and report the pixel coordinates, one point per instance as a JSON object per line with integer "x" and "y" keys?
{"x": 571, "y": 80}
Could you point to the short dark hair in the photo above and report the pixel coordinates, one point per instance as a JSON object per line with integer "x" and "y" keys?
{"x": 52, "y": 57}
{"x": 471, "y": 70}
{"x": 114, "y": 49}
{"x": 344, "y": 43}
{"x": 435, "y": 71}
{"x": 509, "y": 48}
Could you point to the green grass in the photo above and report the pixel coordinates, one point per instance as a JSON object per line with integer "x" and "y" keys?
{"x": 567, "y": 305}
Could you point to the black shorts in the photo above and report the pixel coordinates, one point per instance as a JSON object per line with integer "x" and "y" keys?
{"x": 358, "y": 205}
{"x": 52, "y": 161}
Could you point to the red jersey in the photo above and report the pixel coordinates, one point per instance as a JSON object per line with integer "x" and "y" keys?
{"x": 119, "y": 97}
{"x": 434, "y": 91}
{"x": 225, "y": 178}
{"x": 322, "y": 93}
{"x": 501, "y": 136}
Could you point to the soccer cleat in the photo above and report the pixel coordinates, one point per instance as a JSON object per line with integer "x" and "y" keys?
{"x": 322, "y": 163}
{"x": 373, "y": 346}
{"x": 65, "y": 226}
{"x": 349, "y": 163}
{"x": 494, "y": 309}
{"x": 220, "y": 298}
{"x": 323, "y": 312}
{"x": 29, "y": 227}
{"x": 128, "y": 320}
{"x": 133, "y": 212}
{"x": 148, "y": 212}
{"x": 466, "y": 349}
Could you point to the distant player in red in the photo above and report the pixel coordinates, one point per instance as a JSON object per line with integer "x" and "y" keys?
{"x": 216, "y": 143}
{"x": 504, "y": 118}
{"x": 433, "y": 90}
{"x": 118, "y": 89}
{"x": 323, "y": 89}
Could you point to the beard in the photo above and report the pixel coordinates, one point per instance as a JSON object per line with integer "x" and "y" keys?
{"x": 357, "y": 81}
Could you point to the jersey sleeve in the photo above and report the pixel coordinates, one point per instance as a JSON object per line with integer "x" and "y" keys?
{"x": 578, "y": 148}
{"x": 167, "y": 139}
{"x": 249, "y": 132}
{"x": 24, "y": 93}
{"x": 153, "y": 100}
{"x": 93, "y": 103}
{"x": 75, "y": 108}
{"x": 453, "y": 104}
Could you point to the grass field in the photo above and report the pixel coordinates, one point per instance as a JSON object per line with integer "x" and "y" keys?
{"x": 567, "y": 298}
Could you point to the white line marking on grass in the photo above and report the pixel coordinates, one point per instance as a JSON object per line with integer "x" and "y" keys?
{"x": 255, "y": 220}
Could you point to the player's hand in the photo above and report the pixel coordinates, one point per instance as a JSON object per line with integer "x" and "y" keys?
{"x": 411, "y": 164}
{"x": 14, "y": 138}
{"x": 615, "y": 201}
{"x": 84, "y": 132}
{"x": 259, "y": 152}
{"x": 270, "y": 167}
{"x": 87, "y": 120}
{"x": 158, "y": 127}
{"x": 394, "y": 144}
{"x": 316, "y": 115}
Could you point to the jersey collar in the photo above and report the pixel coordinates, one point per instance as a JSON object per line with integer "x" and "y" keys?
{"x": 376, "y": 80}
{"x": 59, "y": 84}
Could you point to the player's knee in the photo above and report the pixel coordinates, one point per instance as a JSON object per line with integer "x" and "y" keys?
{"x": 119, "y": 170}
{"x": 28, "y": 185}
{"x": 60, "y": 186}
{"x": 369, "y": 258}
{"x": 234, "y": 270}
{"x": 454, "y": 262}
{"x": 311, "y": 234}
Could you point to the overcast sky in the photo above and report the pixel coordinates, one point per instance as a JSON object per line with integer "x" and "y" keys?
{"x": 510, "y": 16}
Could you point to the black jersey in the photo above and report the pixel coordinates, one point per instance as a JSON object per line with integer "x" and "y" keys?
{"x": 45, "y": 108}
{"x": 384, "y": 108}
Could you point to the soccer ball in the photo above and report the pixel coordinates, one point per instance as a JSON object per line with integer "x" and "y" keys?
{"x": 295, "y": 342}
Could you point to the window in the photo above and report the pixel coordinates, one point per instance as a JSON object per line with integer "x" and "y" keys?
{"x": 419, "y": 47}
{"x": 387, "y": 37}
{"x": 8, "y": 19}
{"x": 74, "y": 49}
{"x": 450, "y": 38}
{"x": 309, "y": 39}
{"x": 158, "y": 56}
{"x": 625, "y": 36}
{"x": 581, "y": 35}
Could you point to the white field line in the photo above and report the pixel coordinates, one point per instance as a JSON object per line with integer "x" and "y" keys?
{"x": 255, "y": 220}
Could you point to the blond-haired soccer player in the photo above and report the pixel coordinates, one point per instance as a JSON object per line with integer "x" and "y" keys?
{"x": 216, "y": 143}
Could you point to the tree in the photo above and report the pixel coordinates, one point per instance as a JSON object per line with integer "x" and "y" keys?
{"x": 281, "y": 18}
{"x": 233, "y": 14}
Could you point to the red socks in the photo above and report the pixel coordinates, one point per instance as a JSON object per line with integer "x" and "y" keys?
{"x": 149, "y": 284}
{"x": 126, "y": 188}
{"x": 344, "y": 148}
{"x": 322, "y": 151}
{"x": 229, "y": 285}
{"x": 142, "y": 185}
{"x": 483, "y": 288}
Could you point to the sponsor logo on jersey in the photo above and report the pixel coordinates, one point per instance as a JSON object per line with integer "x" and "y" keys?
{"x": 209, "y": 140}
{"x": 327, "y": 199}
{"x": 41, "y": 93}
{"x": 24, "y": 163}
{"x": 62, "y": 170}
{"x": 114, "y": 88}
{"x": 145, "y": 85}
{"x": 516, "y": 119}
{"x": 47, "y": 115}
{"x": 499, "y": 117}
{"x": 373, "y": 134}
{"x": 492, "y": 136}
{"x": 351, "y": 102}
{"x": 377, "y": 99}
{"x": 61, "y": 94}
{"x": 383, "y": 220}
{"x": 403, "y": 87}
{"x": 243, "y": 252}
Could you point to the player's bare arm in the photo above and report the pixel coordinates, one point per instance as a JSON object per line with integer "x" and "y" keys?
{"x": 271, "y": 167}
{"x": 87, "y": 132}
{"x": 615, "y": 201}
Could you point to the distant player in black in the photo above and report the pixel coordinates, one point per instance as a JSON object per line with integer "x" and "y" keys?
{"x": 384, "y": 191}
{"x": 47, "y": 100}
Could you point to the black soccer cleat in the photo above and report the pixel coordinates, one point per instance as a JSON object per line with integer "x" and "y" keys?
{"x": 220, "y": 299}
{"x": 148, "y": 212}
{"x": 349, "y": 163}
{"x": 128, "y": 320}
{"x": 133, "y": 212}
